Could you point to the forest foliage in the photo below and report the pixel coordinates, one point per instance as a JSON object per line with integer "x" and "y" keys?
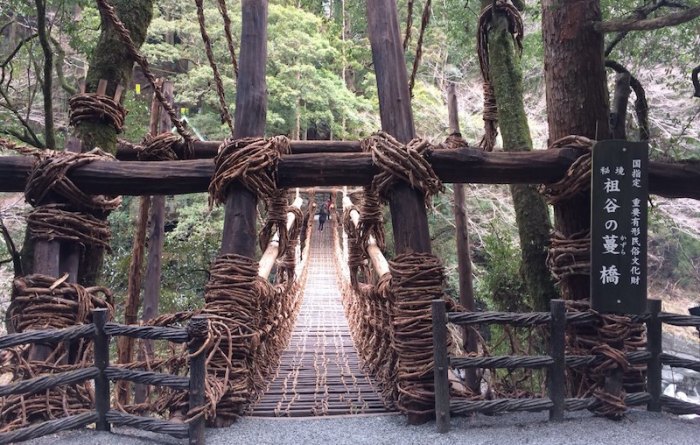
{"x": 321, "y": 85}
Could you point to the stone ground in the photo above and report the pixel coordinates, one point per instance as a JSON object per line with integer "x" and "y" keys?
{"x": 640, "y": 427}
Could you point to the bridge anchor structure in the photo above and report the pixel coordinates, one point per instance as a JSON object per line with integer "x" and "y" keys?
{"x": 313, "y": 326}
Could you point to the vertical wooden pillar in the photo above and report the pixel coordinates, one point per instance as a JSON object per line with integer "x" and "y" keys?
{"x": 198, "y": 374}
{"x": 47, "y": 256}
{"x": 160, "y": 123}
{"x": 442, "y": 384}
{"x": 240, "y": 232}
{"x": 408, "y": 216}
{"x": 464, "y": 261}
{"x": 101, "y": 341}
{"x": 654, "y": 346}
{"x": 70, "y": 252}
{"x": 557, "y": 349}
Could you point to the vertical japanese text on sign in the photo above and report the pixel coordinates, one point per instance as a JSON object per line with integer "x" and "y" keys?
{"x": 619, "y": 196}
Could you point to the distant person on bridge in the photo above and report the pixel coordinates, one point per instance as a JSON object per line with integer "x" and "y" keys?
{"x": 330, "y": 207}
{"x": 322, "y": 215}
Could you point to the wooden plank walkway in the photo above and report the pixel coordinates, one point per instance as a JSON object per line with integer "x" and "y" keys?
{"x": 320, "y": 372}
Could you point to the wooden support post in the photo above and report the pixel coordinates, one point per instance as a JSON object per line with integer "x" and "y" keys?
{"x": 240, "y": 231}
{"x": 70, "y": 251}
{"x": 557, "y": 350}
{"x": 442, "y": 384}
{"x": 125, "y": 345}
{"x": 101, "y": 341}
{"x": 47, "y": 255}
{"x": 198, "y": 375}
{"x": 464, "y": 261}
{"x": 69, "y": 263}
{"x": 408, "y": 216}
{"x": 654, "y": 346}
{"x": 160, "y": 123}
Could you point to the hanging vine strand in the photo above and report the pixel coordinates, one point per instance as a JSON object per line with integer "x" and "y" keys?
{"x": 225, "y": 114}
{"x": 425, "y": 20}
{"x": 229, "y": 37}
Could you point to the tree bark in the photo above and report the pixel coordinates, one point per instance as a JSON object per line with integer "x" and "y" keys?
{"x": 577, "y": 100}
{"x": 111, "y": 61}
{"x": 618, "y": 111}
{"x": 531, "y": 212}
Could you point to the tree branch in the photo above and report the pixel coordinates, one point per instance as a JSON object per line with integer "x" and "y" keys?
{"x": 12, "y": 249}
{"x": 641, "y": 107}
{"x": 6, "y": 25}
{"x": 11, "y": 56}
{"x": 24, "y": 137}
{"x": 30, "y": 136}
{"x": 634, "y": 24}
{"x": 60, "y": 58}
{"x": 47, "y": 85}
{"x": 641, "y": 13}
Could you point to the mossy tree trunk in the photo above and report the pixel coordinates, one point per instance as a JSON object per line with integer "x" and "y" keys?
{"x": 531, "y": 211}
{"x": 112, "y": 62}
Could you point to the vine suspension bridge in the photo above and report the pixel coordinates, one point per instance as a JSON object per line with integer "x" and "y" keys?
{"x": 340, "y": 329}
{"x": 320, "y": 371}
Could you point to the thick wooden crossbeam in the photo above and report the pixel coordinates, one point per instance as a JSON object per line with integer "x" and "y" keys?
{"x": 464, "y": 165}
{"x": 209, "y": 149}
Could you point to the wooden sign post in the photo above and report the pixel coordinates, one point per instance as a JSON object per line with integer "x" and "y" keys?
{"x": 619, "y": 196}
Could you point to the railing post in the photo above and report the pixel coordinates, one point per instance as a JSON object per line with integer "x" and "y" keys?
{"x": 101, "y": 341}
{"x": 197, "y": 330}
{"x": 442, "y": 384}
{"x": 655, "y": 348}
{"x": 557, "y": 371}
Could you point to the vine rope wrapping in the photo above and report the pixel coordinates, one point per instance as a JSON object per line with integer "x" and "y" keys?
{"x": 49, "y": 176}
{"x": 92, "y": 107}
{"x": 371, "y": 222}
{"x": 401, "y": 162}
{"x": 52, "y": 222}
{"x": 610, "y": 336}
{"x": 252, "y": 162}
{"x": 416, "y": 280}
{"x": 276, "y": 221}
{"x": 44, "y": 302}
{"x": 161, "y": 147}
{"x": 578, "y": 176}
{"x": 568, "y": 256}
{"x": 223, "y": 10}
